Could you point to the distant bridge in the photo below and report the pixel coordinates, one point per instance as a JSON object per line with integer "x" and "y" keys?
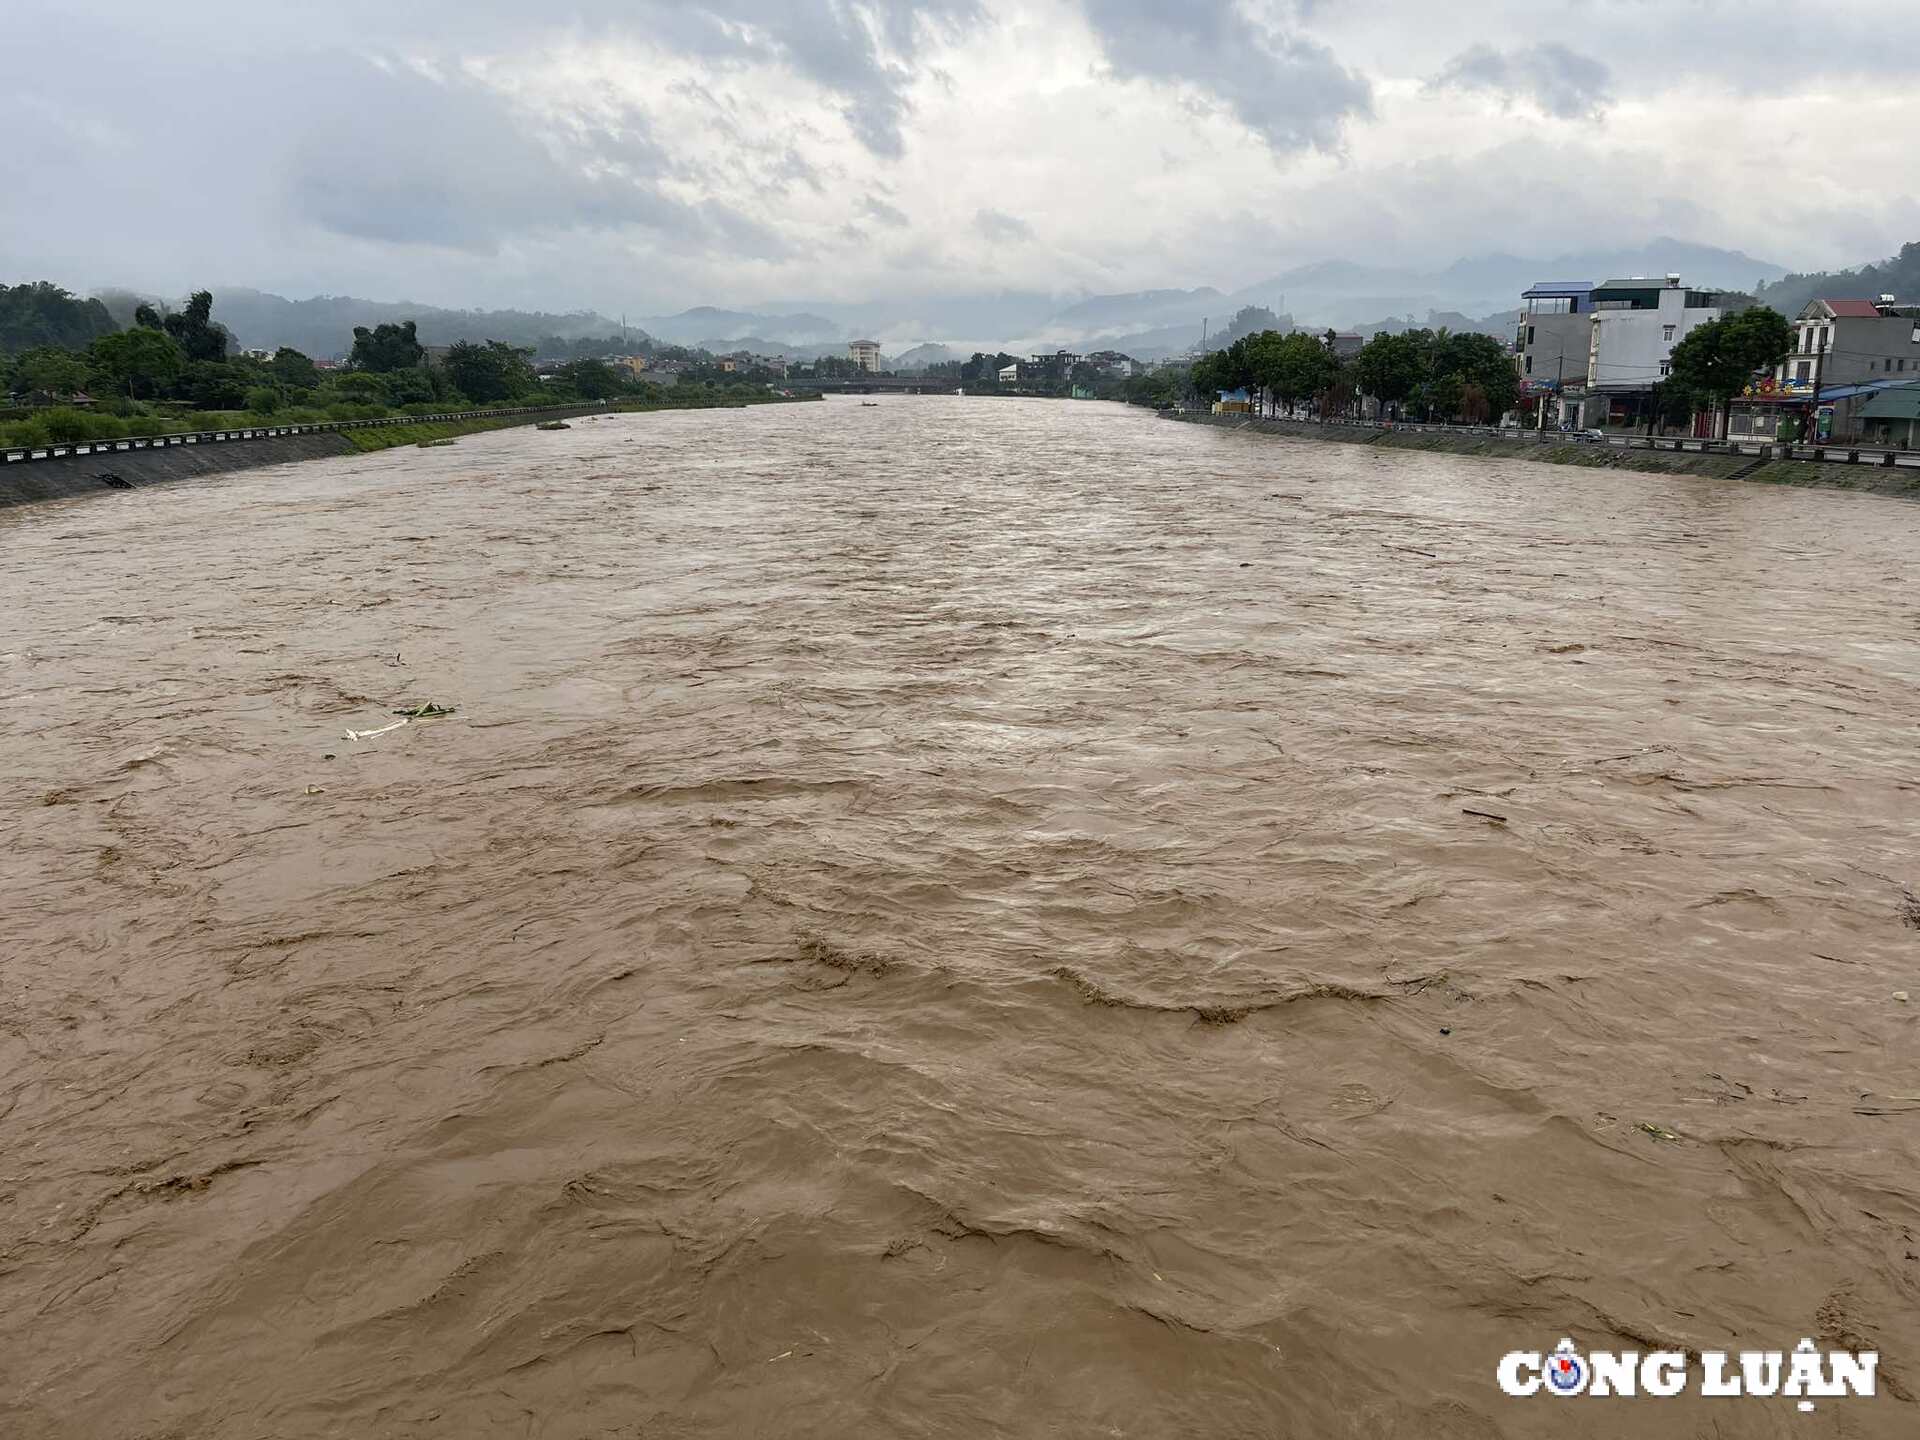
{"x": 876, "y": 385}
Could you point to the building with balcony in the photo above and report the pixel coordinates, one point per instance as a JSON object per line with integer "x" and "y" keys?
{"x": 1852, "y": 342}
{"x": 1635, "y": 324}
{"x": 1844, "y": 353}
{"x": 1550, "y": 347}
{"x": 865, "y": 354}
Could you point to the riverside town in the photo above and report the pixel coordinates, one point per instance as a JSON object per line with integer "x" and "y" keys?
{"x": 960, "y": 720}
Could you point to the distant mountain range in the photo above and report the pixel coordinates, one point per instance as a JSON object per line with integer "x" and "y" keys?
{"x": 1148, "y": 324}
{"x": 1337, "y": 291}
{"x": 704, "y": 323}
{"x": 921, "y": 356}
{"x": 323, "y": 326}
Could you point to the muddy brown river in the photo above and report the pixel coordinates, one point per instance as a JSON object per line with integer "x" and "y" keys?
{"x": 958, "y": 918}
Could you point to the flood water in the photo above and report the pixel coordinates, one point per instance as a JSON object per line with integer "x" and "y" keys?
{"x": 957, "y": 918}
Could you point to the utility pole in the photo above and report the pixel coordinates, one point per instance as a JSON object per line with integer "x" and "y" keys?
{"x": 1819, "y": 377}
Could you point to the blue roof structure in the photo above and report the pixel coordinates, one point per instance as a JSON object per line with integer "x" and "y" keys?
{"x": 1847, "y": 392}
{"x": 1543, "y": 289}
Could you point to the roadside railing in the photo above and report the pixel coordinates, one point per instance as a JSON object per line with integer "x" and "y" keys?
{"x": 1830, "y": 453}
{"x": 25, "y": 454}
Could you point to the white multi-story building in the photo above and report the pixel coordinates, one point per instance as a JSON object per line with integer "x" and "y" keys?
{"x": 865, "y": 354}
{"x": 1636, "y": 324}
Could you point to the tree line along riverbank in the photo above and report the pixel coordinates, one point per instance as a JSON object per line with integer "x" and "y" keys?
{"x": 1873, "y": 479}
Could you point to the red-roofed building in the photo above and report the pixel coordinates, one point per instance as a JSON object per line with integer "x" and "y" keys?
{"x": 1844, "y": 353}
{"x": 1852, "y": 342}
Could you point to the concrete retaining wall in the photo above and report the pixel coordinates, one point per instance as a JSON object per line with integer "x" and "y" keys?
{"x": 103, "y": 472}
{"x": 1824, "y": 467}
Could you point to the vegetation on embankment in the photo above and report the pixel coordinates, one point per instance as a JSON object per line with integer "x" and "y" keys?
{"x": 386, "y": 437}
{"x": 707, "y": 400}
{"x": 1875, "y": 479}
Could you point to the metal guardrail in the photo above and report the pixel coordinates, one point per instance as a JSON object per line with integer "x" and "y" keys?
{"x": 1829, "y": 453}
{"x": 26, "y": 454}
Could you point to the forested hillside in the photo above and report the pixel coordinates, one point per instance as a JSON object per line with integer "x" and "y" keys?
{"x": 1898, "y": 277}
{"x": 42, "y": 313}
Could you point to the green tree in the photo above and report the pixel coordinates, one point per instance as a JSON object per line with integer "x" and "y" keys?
{"x": 412, "y": 387}
{"x": 1204, "y": 376}
{"x": 386, "y": 348}
{"x": 359, "y": 388}
{"x": 47, "y": 370}
{"x": 1388, "y": 367}
{"x": 1303, "y": 368}
{"x": 214, "y": 385}
{"x": 1478, "y": 363}
{"x": 1264, "y": 357}
{"x": 140, "y": 363}
{"x": 42, "y": 314}
{"x": 591, "y": 379}
{"x": 294, "y": 370}
{"x": 1439, "y": 396}
{"x": 489, "y": 373}
{"x": 1713, "y": 362}
{"x": 194, "y": 331}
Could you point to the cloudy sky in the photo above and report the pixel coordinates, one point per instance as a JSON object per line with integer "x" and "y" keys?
{"x": 647, "y": 155}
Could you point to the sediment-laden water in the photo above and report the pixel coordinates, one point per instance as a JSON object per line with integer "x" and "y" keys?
{"x": 958, "y": 918}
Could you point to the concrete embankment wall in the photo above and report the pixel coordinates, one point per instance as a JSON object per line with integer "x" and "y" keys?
{"x": 104, "y": 472}
{"x": 1899, "y": 479}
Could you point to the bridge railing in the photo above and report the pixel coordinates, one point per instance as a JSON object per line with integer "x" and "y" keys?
{"x": 26, "y": 454}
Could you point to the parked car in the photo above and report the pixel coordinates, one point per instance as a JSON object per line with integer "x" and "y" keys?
{"x": 1590, "y": 435}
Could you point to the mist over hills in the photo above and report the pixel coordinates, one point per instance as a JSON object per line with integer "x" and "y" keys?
{"x": 1479, "y": 292}
{"x": 1898, "y": 276}
{"x": 323, "y": 325}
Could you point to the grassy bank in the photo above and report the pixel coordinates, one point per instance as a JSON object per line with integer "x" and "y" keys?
{"x": 724, "y": 400}
{"x": 1811, "y": 474}
{"x": 386, "y": 437}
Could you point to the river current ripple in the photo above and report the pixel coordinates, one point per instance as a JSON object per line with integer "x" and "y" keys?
{"x": 949, "y": 918}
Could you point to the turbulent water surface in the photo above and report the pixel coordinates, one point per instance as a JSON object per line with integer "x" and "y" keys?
{"x": 955, "y": 918}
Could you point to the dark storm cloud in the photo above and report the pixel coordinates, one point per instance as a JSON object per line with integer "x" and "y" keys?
{"x": 1560, "y": 81}
{"x": 1287, "y": 88}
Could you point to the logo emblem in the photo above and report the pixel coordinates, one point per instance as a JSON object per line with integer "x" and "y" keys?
{"x": 1566, "y": 1372}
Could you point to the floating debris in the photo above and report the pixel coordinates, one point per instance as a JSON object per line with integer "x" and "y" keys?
{"x": 383, "y": 730}
{"x": 553, "y": 425}
{"x": 426, "y": 710}
{"x": 1659, "y": 1132}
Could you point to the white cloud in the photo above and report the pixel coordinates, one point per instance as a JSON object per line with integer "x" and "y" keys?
{"x": 655, "y": 153}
